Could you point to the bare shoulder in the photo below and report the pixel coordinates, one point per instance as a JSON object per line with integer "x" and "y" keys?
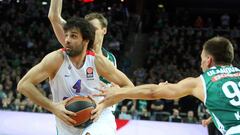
{"x": 53, "y": 61}
{"x": 54, "y": 58}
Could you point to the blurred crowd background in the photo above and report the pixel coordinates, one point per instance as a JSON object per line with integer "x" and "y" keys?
{"x": 151, "y": 46}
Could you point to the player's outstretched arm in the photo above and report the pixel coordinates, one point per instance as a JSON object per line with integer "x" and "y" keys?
{"x": 56, "y": 19}
{"x": 39, "y": 73}
{"x": 188, "y": 86}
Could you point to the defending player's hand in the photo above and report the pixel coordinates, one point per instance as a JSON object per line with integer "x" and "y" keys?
{"x": 60, "y": 111}
{"x": 110, "y": 95}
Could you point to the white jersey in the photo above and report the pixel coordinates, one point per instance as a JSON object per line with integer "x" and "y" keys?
{"x": 70, "y": 81}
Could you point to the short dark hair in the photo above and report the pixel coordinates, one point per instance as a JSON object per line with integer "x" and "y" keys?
{"x": 221, "y": 49}
{"x": 99, "y": 16}
{"x": 85, "y": 28}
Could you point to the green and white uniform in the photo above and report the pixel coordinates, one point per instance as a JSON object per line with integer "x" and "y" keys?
{"x": 222, "y": 97}
{"x": 110, "y": 57}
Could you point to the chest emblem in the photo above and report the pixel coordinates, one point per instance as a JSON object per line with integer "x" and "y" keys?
{"x": 89, "y": 73}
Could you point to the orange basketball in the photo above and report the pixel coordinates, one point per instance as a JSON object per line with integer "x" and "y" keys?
{"x": 82, "y": 106}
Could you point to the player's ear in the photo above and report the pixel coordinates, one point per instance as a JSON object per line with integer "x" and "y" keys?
{"x": 104, "y": 31}
{"x": 209, "y": 61}
{"x": 85, "y": 42}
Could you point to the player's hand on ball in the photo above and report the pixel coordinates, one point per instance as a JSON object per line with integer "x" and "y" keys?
{"x": 110, "y": 95}
{"x": 97, "y": 112}
{"x": 60, "y": 111}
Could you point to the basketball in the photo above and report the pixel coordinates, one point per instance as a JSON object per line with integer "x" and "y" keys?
{"x": 82, "y": 106}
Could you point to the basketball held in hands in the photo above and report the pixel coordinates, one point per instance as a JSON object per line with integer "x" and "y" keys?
{"x": 82, "y": 106}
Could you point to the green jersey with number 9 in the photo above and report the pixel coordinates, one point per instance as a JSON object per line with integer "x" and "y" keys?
{"x": 222, "y": 96}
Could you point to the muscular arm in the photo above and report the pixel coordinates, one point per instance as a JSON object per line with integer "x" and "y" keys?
{"x": 45, "y": 69}
{"x": 56, "y": 20}
{"x": 165, "y": 91}
{"x": 107, "y": 70}
{"x": 188, "y": 86}
{"x": 39, "y": 73}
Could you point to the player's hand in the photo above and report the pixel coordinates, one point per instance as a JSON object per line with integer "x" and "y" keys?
{"x": 110, "y": 95}
{"x": 60, "y": 111}
{"x": 97, "y": 112}
{"x": 206, "y": 122}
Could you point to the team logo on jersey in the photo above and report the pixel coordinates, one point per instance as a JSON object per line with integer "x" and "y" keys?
{"x": 89, "y": 72}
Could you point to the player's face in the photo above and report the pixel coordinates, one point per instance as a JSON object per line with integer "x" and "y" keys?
{"x": 73, "y": 42}
{"x": 205, "y": 60}
{"x": 100, "y": 31}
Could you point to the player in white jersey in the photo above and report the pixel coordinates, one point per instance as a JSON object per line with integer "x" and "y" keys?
{"x": 72, "y": 71}
{"x": 96, "y": 19}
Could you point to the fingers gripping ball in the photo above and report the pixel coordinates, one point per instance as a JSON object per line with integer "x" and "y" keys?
{"x": 82, "y": 106}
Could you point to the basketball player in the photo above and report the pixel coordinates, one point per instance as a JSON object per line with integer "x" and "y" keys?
{"x": 74, "y": 70}
{"x": 96, "y": 19}
{"x": 218, "y": 87}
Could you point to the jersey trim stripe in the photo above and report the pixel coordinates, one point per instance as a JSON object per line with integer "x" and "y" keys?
{"x": 218, "y": 124}
{"x": 90, "y": 53}
{"x": 204, "y": 89}
{"x": 233, "y": 130}
{"x": 63, "y": 49}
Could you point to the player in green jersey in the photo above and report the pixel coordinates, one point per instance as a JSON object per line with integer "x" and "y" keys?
{"x": 218, "y": 87}
{"x": 96, "y": 19}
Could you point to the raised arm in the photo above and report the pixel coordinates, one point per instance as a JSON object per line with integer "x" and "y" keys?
{"x": 27, "y": 86}
{"x": 107, "y": 70}
{"x": 56, "y": 20}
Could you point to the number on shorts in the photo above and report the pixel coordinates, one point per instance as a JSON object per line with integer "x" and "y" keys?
{"x": 77, "y": 86}
{"x": 232, "y": 91}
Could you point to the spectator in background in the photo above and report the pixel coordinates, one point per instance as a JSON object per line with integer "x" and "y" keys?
{"x": 175, "y": 116}
{"x": 124, "y": 115}
{"x": 157, "y": 106}
{"x": 199, "y": 23}
{"x": 2, "y": 93}
{"x": 190, "y": 117}
{"x": 225, "y": 20}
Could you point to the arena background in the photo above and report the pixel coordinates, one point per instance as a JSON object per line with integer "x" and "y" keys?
{"x": 153, "y": 41}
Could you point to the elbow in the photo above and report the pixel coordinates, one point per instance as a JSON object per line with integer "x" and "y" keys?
{"x": 53, "y": 18}
{"x": 21, "y": 86}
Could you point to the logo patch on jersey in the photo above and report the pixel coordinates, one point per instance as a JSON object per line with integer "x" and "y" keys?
{"x": 89, "y": 72}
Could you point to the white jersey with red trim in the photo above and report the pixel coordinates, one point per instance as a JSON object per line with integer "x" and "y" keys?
{"x": 70, "y": 81}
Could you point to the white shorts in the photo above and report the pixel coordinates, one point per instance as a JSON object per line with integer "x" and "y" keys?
{"x": 103, "y": 126}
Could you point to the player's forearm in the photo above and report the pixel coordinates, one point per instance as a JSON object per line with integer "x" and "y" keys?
{"x": 55, "y": 10}
{"x": 30, "y": 91}
{"x": 140, "y": 92}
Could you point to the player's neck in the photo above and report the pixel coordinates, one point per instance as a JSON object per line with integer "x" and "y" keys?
{"x": 78, "y": 61}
